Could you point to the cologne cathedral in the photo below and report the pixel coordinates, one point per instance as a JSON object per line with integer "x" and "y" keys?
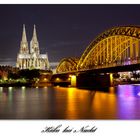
{"x": 31, "y": 59}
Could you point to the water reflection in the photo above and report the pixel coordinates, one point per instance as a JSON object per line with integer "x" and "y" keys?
{"x": 10, "y": 94}
{"x": 121, "y": 102}
{"x": 78, "y": 103}
{"x": 128, "y": 102}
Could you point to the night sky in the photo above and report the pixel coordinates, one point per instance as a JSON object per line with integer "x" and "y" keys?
{"x": 63, "y": 30}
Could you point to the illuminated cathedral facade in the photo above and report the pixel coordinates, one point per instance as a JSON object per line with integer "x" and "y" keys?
{"x": 31, "y": 58}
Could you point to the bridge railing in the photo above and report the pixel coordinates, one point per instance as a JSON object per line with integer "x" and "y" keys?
{"x": 116, "y": 63}
{"x": 107, "y": 65}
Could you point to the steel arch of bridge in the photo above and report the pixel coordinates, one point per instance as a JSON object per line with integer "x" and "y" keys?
{"x": 67, "y": 64}
{"x": 116, "y": 46}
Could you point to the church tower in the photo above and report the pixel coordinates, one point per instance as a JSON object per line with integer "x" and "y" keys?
{"x": 24, "y": 44}
{"x": 32, "y": 59}
{"x": 34, "y": 45}
{"x": 22, "y": 57}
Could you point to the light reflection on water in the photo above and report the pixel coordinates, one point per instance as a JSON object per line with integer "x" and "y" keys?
{"x": 121, "y": 102}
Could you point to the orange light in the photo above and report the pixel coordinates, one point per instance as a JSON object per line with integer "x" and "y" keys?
{"x": 73, "y": 80}
{"x": 111, "y": 79}
{"x": 45, "y": 79}
{"x": 57, "y": 79}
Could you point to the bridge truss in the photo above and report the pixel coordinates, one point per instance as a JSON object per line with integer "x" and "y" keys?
{"x": 115, "y": 47}
{"x": 67, "y": 64}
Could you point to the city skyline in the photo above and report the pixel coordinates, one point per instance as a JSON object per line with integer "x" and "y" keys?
{"x": 63, "y": 30}
{"x": 103, "y": 83}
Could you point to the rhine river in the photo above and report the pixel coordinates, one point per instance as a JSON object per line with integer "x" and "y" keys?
{"x": 121, "y": 102}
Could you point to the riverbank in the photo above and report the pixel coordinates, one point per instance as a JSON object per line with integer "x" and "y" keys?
{"x": 15, "y": 84}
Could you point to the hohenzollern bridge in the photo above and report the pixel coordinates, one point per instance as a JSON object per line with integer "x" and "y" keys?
{"x": 115, "y": 50}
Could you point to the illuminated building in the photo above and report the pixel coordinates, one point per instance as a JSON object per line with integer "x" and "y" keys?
{"x": 31, "y": 59}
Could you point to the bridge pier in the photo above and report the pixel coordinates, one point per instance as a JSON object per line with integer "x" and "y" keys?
{"x": 111, "y": 79}
{"x": 83, "y": 80}
{"x": 73, "y": 80}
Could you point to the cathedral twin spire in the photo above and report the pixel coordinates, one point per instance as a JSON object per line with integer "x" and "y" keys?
{"x": 34, "y": 45}
{"x": 31, "y": 59}
{"x": 34, "y": 34}
{"x": 24, "y": 38}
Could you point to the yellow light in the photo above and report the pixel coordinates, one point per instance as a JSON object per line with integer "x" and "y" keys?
{"x": 45, "y": 79}
{"x": 1, "y": 89}
{"x": 73, "y": 80}
{"x": 23, "y": 87}
{"x": 57, "y": 79}
{"x": 5, "y": 78}
{"x": 111, "y": 79}
{"x": 10, "y": 88}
